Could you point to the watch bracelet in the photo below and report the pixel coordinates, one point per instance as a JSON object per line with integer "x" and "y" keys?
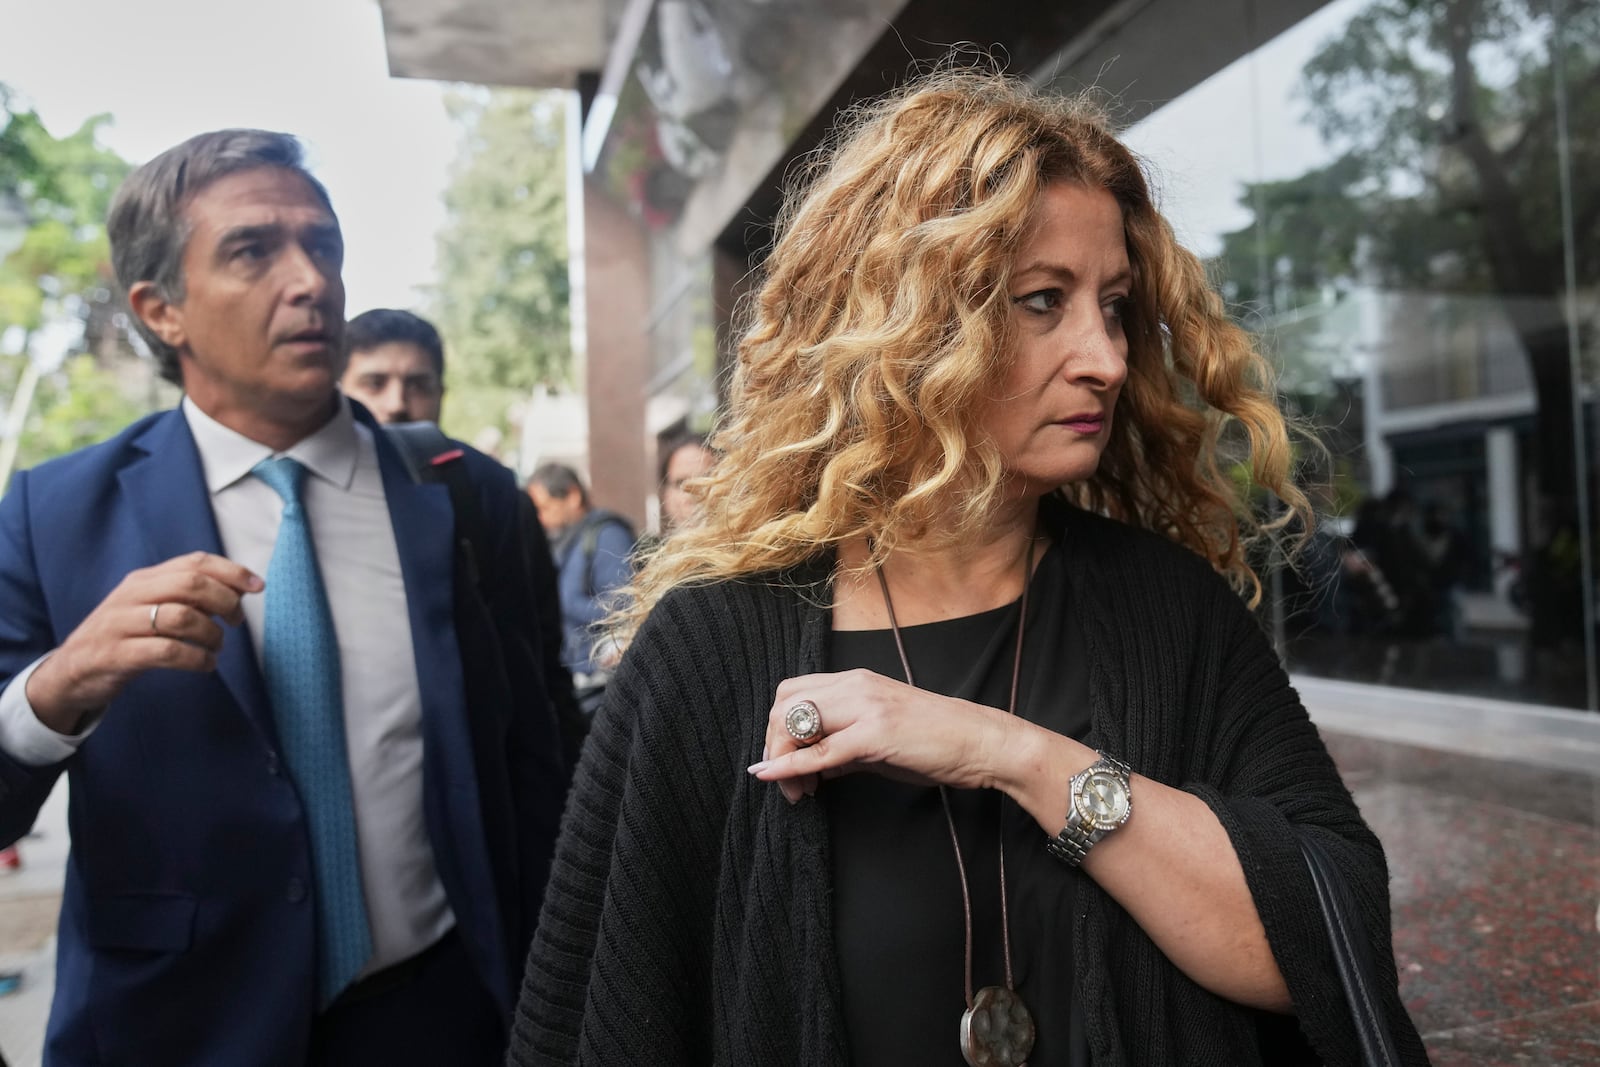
{"x": 1073, "y": 849}
{"x": 1065, "y": 849}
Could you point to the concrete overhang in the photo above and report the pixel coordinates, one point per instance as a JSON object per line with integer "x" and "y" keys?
{"x": 540, "y": 44}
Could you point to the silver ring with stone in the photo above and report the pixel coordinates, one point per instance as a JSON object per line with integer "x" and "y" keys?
{"x": 804, "y": 722}
{"x": 155, "y": 609}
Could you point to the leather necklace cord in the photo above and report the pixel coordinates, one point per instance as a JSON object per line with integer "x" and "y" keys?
{"x": 944, "y": 792}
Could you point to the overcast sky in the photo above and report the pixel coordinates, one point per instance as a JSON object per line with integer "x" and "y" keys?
{"x": 1244, "y": 123}
{"x": 167, "y": 69}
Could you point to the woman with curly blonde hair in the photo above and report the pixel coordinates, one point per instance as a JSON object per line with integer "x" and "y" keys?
{"x": 946, "y": 734}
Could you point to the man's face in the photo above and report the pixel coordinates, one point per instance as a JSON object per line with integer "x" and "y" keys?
{"x": 261, "y": 324}
{"x": 556, "y": 513}
{"x": 396, "y": 380}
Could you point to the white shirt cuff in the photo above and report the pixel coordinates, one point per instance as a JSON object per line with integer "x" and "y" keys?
{"x": 23, "y": 737}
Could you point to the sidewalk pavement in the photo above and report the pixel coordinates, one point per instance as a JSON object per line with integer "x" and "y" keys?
{"x": 30, "y": 899}
{"x": 1489, "y": 813}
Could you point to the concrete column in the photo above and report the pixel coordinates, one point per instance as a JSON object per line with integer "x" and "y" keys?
{"x": 617, "y": 298}
{"x": 1505, "y": 503}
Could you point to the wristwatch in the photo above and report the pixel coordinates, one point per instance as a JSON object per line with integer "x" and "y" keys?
{"x": 1101, "y": 802}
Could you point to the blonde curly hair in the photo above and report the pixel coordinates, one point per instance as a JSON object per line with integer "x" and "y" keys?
{"x": 883, "y": 319}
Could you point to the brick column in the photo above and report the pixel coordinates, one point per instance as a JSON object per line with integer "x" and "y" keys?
{"x": 617, "y": 297}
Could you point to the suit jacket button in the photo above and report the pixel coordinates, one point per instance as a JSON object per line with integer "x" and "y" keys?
{"x": 274, "y": 768}
{"x": 297, "y": 891}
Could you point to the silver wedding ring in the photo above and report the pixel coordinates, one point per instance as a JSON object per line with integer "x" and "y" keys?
{"x": 804, "y": 722}
{"x": 155, "y": 609}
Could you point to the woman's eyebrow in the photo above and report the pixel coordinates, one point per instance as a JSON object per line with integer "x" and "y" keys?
{"x": 1066, "y": 274}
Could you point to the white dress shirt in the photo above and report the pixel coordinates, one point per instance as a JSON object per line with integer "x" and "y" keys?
{"x": 360, "y": 567}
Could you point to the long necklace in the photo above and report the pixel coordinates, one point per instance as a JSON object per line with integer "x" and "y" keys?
{"x": 997, "y": 1030}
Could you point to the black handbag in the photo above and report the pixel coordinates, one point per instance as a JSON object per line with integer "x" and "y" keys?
{"x": 1353, "y": 958}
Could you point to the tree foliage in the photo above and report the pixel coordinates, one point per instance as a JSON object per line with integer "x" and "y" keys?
{"x": 1305, "y": 237}
{"x": 77, "y": 406}
{"x": 501, "y": 299}
{"x": 65, "y": 186}
{"x": 1446, "y": 116}
{"x": 1451, "y": 107}
{"x": 58, "y": 285}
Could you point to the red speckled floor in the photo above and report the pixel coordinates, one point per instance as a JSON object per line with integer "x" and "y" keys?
{"x": 1495, "y": 879}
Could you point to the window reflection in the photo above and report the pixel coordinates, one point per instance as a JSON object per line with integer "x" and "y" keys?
{"x": 1418, "y": 259}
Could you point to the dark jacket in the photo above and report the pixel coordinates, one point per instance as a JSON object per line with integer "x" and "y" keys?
{"x": 688, "y": 916}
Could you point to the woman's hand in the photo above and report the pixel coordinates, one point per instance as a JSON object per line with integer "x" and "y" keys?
{"x": 1199, "y": 912}
{"x": 874, "y": 723}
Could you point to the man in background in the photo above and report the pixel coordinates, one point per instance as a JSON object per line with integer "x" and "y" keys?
{"x": 593, "y": 550}
{"x": 312, "y": 803}
{"x": 395, "y": 366}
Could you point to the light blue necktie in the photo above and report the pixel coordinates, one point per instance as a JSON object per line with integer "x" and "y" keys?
{"x": 300, "y": 659}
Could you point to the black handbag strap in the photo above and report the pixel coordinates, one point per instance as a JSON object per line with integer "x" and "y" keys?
{"x": 1352, "y": 956}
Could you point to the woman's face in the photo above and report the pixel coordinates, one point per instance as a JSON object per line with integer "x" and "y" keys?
{"x": 1051, "y": 413}
{"x": 688, "y": 461}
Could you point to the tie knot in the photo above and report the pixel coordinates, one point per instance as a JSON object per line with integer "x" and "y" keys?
{"x": 284, "y": 475}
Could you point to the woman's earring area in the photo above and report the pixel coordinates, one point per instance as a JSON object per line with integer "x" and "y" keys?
{"x": 804, "y": 722}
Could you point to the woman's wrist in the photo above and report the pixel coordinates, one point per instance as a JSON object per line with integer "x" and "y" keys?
{"x": 1034, "y": 767}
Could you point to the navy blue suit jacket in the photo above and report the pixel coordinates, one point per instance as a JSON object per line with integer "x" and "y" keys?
{"x": 186, "y": 932}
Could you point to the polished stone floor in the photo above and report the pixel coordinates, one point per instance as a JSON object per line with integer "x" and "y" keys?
{"x": 1495, "y": 881}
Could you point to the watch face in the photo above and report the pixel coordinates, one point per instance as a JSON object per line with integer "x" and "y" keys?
{"x": 1103, "y": 800}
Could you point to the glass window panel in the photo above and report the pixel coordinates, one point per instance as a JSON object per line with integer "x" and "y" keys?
{"x": 1386, "y": 193}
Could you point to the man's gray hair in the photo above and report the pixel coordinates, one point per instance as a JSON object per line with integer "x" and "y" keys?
{"x": 558, "y": 480}
{"x": 147, "y": 226}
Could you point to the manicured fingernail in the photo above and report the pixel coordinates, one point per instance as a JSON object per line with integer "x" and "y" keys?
{"x": 757, "y": 768}
{"x": 764, "y": 753}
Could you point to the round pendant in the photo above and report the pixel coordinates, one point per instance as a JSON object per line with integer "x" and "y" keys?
{"x": 997, "y": 1030}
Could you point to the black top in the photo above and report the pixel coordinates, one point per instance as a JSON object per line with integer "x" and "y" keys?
{"x": 898, "y": 926}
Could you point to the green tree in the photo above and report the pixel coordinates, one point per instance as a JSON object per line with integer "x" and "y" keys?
{"x": 59, "y": 276}
{"x": 78, "y": 405}
{"x": 501, "y": 300}
{"x": 1451, "y": 112}
{"x": 1303, "y": 239}
{"x": 65, "y": 187}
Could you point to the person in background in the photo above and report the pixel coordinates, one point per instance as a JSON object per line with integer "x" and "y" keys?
{"x": 593, "y": 550}
{"x": 313, "y": 798}
{"x": 684, "y": 457}
{"x": 1449, "y": 557}
{"x": 395, "y": 366}
{"x": 952, "y": 698}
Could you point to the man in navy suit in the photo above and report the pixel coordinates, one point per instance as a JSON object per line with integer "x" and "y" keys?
{"x": 137, "y": 578}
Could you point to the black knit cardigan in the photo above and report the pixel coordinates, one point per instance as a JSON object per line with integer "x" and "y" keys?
{"x": 688, "y": 918}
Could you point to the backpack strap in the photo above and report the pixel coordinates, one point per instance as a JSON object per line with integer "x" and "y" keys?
{"x": 589, "y": 543}
{"x": 431, "y": 457}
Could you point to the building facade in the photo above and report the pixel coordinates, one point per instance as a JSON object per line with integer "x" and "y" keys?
{"x": 1393, "y": 197}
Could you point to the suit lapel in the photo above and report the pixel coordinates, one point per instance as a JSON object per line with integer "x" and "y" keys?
{"x": 167, "y": 491}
